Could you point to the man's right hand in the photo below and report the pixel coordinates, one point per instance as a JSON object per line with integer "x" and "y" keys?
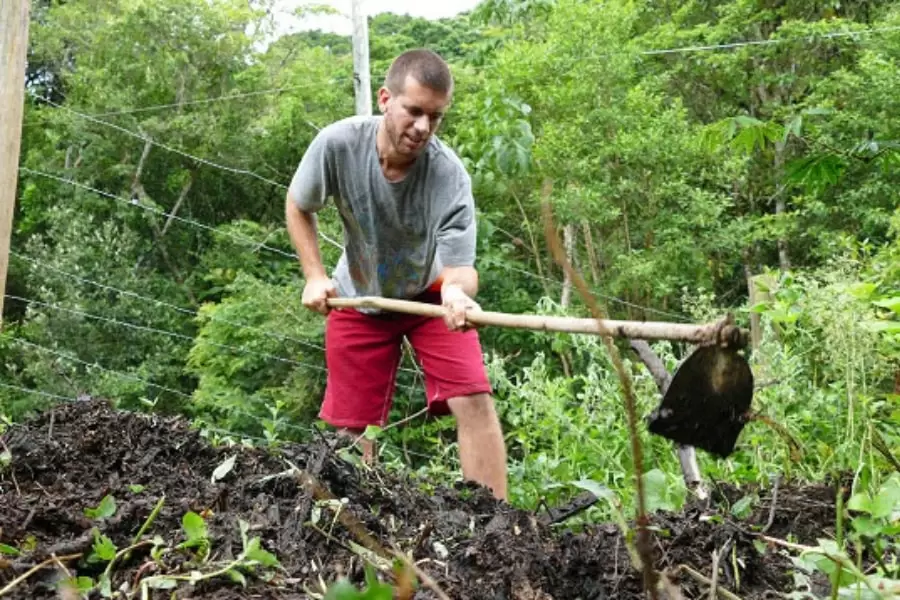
{"x": 316, "y": 292}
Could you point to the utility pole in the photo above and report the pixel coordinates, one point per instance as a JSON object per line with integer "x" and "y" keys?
{"x": 13, "y": 51}
{"x": 361, "y": 84}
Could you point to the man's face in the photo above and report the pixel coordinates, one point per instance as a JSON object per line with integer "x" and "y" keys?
{"x": 412, "y": 116}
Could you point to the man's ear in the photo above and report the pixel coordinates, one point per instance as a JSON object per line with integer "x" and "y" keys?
{"x": 384, "y": 95}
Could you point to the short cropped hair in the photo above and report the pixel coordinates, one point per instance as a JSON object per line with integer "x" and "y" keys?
{"x": 425, "y": 66}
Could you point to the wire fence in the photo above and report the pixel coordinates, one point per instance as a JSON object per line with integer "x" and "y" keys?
{"x": 99, "y": 119}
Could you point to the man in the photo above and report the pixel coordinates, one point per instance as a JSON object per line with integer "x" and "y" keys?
{"x": 406, "y": 204}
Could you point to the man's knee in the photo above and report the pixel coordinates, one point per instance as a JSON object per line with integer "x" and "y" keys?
{"x": 475, "y": 409}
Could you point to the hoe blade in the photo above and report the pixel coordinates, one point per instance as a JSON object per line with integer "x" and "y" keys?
{"x": 707, "y": 402}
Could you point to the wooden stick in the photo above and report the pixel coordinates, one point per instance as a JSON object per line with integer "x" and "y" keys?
{"x": 722, "y": 331}
{"x": 14, "y": 15}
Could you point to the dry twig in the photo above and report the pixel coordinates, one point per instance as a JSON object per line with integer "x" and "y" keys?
{"x": 318, "y": 491}
{"x": 50, "y": 561}
{"x": 773, "y": 506}
{"x": 700, "y": 578}
{"x": 422, "y": 575}
{"x": 714, "y": 580}
{"x": 643, "y": 543}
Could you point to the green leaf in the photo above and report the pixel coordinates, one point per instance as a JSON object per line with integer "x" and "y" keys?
{"x": 889, "y": 327}
{"x": 223, "y": 469}
{"x": 104, "y": 510}
{"x": 237, "y": 577}
{"x": 866, "y": 526}
{"x": 105, "y": 585}
{"x": 657, "y": 486}
{"x": 372, "y": 432}
{"x": 815, "y": 172}
{"x": 136, "y": 488}
{"x": 194, "y": 526}
{"x": 256, "y": 553}
{"x": 84, "y": 584}
{"x": 742, "y": 507}
{"x": 760, "y": 307}
{"x": 161, "y": 582}
{"x": 342, "y": 589}
{"x": 887, "y": 500}
{"x": 892, "y": 304}
{"x": 860, "y": 502}
{"x": 597, "y": 489}
{"x": 9, "y": 550}
{"x": 104, "y": 550}
{"x": 862, "y": 290}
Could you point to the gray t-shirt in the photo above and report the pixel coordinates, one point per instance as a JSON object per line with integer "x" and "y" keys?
{"x": 397, "y": 235}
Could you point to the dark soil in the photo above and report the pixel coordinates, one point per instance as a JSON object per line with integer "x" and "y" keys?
{"x": 471, "y": 546}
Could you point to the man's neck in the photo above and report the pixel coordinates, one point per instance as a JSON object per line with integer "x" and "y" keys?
{"x": 393, "y": 165}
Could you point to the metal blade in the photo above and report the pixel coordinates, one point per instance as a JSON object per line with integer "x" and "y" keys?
{"x": 708, "y": 400}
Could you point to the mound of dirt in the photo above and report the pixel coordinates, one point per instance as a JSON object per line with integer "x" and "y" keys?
{"x": 182, "y": 507}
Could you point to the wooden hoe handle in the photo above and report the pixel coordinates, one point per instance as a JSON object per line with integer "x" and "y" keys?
{"x": 722, "y": 332}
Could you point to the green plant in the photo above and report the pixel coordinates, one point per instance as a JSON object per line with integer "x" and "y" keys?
{"x": 252, "y": 559}
{"x": 874, "y": 526}
{"x": 104, "y": 510}
{"x": 372, "y": 590}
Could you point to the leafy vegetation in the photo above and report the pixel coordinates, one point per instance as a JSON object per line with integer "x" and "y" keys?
{"x": 707, "y": 157}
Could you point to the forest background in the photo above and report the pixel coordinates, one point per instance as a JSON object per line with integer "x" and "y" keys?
{"x": 707, "y": 157}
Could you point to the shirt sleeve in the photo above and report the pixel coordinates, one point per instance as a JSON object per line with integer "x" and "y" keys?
{"x": 310, "y": 186}
{"x": 456, "y": 236}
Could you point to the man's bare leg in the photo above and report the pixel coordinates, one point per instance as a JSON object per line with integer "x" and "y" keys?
{"x": 366, "y": 445}
{"x": 482, "y": 449}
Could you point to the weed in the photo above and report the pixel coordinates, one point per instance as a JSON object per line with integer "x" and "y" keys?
{"x": 253, "y": 559}
{"x": 373, "y": 590}
{"x": 874, "y": 526}
{"x": 104, "y": 510}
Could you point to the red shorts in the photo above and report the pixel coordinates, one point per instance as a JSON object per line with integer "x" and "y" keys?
{"x": 363, "y": 354}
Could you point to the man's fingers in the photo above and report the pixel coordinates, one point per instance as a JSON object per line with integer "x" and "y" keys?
{"x": 455, "y": 317}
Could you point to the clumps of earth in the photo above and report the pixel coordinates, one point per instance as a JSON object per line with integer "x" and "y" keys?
{"x": 97, "y": 502}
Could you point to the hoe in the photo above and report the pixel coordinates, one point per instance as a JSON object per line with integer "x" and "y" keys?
{"x": 705, "y": 406}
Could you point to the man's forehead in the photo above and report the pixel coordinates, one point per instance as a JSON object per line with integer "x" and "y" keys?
{"x": 419, "y": 95}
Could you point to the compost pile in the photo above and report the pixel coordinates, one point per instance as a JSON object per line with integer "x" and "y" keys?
{"x": 321, "y": 518}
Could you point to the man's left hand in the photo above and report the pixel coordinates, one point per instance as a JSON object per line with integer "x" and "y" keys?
{"x": 456, "y": 304}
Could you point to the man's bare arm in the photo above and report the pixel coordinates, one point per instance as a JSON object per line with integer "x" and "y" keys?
{"x": 303, "y": 232}
{"x": 466, "y": 278}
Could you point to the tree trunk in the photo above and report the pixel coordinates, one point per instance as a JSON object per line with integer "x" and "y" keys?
{"x": 566, "y": 298}
{"x": 139, "y": 193}
{"x": 591, "y": 252}
{"x": 569, "y": 245}
{"x": 752, "y": 299}
{"x": 625, "y": 223}
{"x": 780, "y": 205}
{"x": 181, "y": 199}
{"x": 534, "y": 247}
